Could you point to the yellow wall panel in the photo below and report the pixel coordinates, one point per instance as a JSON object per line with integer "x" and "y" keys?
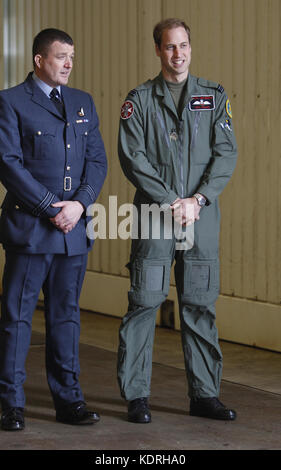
{"x": 234, "y": 42}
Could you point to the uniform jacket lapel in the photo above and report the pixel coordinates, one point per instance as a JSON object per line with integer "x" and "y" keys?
{"x": 162, "y": 90}
{"x": 39, "y": 97}
{"x": 69, "y": 104}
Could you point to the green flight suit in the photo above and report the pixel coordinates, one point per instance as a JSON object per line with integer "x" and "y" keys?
{"x": 168, "y": 155}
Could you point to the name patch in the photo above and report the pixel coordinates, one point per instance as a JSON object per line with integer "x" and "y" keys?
{"x": 202, "y": 103}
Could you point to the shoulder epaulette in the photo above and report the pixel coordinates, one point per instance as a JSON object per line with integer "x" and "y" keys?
{"x": 145, "y": 85}
{"x": 142, "y": 87}
{"x": 210, "y": 84}
{"x": 132, "y": 92}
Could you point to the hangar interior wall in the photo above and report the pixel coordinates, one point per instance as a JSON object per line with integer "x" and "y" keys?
{"x": 235, "y": 42}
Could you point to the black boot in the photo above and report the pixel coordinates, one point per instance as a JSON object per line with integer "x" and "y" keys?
{"x": 76, "y": 413}
{"x": 138, "y": 411}
{"x": 12, "y": 419}
{"x": 211, "y": 408}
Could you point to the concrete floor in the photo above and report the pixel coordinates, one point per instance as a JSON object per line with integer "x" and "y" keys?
{"x": 251, "y": 385}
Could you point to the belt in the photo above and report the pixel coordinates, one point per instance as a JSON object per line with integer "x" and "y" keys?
{"x": 67, "y": 183}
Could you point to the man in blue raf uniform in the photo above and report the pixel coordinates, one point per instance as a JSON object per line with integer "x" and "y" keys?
{"x": 53, "y": 165}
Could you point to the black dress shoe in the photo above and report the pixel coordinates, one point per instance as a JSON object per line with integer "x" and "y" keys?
{"x": 211, "y": 408}
{"x": 12, "y": 419}
{"x": 76, "y": 413}
{"x": 138, "y": 411}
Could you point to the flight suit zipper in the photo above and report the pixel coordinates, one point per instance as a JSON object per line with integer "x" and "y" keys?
{"x": 181, "y": 124}
{"x": 195, "y": 129}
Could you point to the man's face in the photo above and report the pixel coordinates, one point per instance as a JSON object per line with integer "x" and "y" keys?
{"x": 175, "y": 54}
{"x": 54, "y": 68}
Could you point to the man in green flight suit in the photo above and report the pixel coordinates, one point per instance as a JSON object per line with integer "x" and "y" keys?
{"x": 177, "y": 146}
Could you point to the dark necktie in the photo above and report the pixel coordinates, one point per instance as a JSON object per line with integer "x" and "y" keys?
{"x": 55, "y": 97}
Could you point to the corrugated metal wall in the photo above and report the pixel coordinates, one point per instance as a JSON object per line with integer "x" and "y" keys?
{"x": 235, "y": 42}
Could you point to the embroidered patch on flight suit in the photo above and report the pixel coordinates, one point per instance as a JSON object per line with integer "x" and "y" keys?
{"x": 226, "y": 125}
{"x": 228, "y": 108}
{"x": 127, "y": 110}
{"x": 202, "y": 103}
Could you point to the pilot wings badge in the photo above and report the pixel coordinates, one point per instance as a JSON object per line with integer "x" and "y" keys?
{"x": 202, "y": 103}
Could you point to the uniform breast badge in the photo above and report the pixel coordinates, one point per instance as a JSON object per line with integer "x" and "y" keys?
{"x": 202, "y": 103}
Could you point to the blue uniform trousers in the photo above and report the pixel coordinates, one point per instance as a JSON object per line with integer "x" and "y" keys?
{"x": 60, "y": 278}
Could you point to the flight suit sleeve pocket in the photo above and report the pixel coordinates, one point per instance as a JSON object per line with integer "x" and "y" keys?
{"x": 224, "y": 139}
{"x": 201, "y": 281}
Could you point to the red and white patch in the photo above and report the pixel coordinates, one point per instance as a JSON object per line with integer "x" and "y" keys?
{"x": 127, "y": 110}
{"x": 202, "y": 103}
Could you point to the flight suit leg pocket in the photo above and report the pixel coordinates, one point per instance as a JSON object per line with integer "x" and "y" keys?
{"x": 150, "y": 280}
{"x": 200, "y": 281}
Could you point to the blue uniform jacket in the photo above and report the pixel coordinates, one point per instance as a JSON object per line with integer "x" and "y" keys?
{"x": 45, "y": 158}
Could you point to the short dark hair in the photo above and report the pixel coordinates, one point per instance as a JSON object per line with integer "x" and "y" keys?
{"x": 169, "y": 23}
{"x": 45, "y": 38}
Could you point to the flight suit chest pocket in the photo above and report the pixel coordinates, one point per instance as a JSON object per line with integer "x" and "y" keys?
{"x": 201, "y": 281}
{"x": 158, "y": 144}
{"x": 200, "y": 138}
{"x": 81, "y": 135}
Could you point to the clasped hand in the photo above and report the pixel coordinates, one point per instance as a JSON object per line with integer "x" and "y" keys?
{"x": 69, "y": 215}
{"x": 186, "y": 211}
